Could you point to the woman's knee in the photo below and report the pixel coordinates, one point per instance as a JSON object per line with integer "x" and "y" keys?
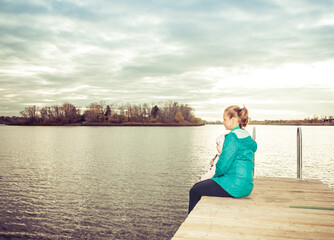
{"x": 194, "y": 190}
{"x": 198, "y": 188}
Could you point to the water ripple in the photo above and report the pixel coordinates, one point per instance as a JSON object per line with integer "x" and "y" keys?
{"x": 109, "y": 183}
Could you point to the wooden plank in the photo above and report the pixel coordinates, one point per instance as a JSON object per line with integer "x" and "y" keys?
{"x": 228, "y": 232}
{"x": 265, "y": 214}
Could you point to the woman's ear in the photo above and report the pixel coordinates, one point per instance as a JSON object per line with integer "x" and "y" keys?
{"x": 235, "y": 121}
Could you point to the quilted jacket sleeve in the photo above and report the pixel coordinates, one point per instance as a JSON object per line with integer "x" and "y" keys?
{"x": 230, "y": 150}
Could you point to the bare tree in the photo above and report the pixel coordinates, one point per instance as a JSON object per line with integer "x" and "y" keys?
{"x": 30, "y": 113}
{"x": 44, "y": 115}
{"x": 179, "y": 117}
{"x": 71, "y": 113}
{"x": 94, "y": 113}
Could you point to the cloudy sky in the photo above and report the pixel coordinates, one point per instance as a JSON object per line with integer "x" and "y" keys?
{"x": 274, "y": 56}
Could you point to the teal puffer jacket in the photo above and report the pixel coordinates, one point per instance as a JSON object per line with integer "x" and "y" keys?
{"x": 234, "y": 169}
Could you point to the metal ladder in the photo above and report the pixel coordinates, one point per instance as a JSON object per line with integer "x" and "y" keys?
{"x": 299, "y": 152}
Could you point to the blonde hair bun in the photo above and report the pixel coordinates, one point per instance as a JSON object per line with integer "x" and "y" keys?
{"x": 240, "y": 113}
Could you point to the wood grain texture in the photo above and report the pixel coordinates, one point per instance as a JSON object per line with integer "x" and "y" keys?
{"x": 265, "y": 214}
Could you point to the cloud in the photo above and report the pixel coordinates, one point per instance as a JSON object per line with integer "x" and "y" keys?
{"x": 206, "y": 54}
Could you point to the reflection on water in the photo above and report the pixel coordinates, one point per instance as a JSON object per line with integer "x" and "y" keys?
{"x": 126, "y": 182}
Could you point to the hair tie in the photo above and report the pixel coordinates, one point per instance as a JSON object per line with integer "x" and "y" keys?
{"x": 242, "y": 109}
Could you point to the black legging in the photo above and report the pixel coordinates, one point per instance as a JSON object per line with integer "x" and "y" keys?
{"x": 205, "y": 188}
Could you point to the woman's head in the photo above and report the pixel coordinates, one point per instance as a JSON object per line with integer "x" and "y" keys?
{"x": 235, "y": 116}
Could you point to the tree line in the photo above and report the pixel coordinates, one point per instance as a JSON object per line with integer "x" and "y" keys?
{"x": 326, "y": 120}
{"x": 166, "y": 113}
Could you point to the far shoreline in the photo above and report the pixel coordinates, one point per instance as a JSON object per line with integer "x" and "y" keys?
{"x": 129, "y": 124}
{"x": 293, "y": 124}
{"x": 160, "y": 124}
{"x": 283, "y": 124}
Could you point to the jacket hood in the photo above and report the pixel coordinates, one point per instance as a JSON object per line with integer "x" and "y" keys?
{"x": 245, "y": 139}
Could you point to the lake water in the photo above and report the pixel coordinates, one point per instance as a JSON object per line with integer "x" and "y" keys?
{"x": 127, "y": 182}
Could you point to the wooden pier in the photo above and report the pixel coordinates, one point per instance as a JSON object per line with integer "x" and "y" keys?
{"x": 278, "y": 208}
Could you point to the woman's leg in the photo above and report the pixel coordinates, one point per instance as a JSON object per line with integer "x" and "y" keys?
{"x": 205, "y": 188}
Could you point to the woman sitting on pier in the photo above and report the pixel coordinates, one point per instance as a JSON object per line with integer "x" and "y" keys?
{"x": 234, "y": 169}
